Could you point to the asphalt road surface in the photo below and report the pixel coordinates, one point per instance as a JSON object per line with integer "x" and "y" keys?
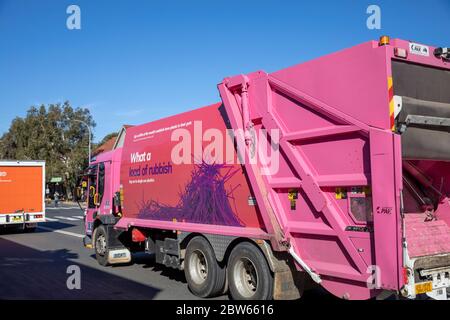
{"x": 38, "y": 266}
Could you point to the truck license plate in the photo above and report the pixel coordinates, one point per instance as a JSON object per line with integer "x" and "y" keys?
{"x": 424, "y": 287}
{"x": 17, "y": 219}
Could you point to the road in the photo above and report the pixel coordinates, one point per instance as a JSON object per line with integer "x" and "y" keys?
{"x": 35, "y": 266}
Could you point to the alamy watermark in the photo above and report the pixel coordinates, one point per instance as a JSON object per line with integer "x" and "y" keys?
{"x": 74, "y": 279}
{"x": 374, "y": 279}
{"x": 192, "y": 144}
{"x": 73, "y": 21}
{"x": 374, "y": 20}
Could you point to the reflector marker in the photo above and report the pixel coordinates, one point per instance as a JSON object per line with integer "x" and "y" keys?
{"x": 391, "y": 103}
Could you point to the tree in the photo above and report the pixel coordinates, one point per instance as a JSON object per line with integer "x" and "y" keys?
{"x": 50, "y": 134}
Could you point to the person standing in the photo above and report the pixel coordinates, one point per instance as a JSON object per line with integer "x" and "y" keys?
{"x": 56, "y": 196}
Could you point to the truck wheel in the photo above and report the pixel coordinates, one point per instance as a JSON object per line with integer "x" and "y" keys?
{"x": 204, "y": 275}
{"x": 249, "y": 275}
{"x": 101, "y": 245}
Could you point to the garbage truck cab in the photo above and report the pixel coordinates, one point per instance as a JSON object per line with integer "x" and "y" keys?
{"x": 103, "y": 181}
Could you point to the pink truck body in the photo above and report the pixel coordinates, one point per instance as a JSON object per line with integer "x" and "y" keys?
{"x": 334, "y": 196}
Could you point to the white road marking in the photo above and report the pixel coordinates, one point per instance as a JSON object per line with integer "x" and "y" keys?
{"x": 62, "y": 232}
{"x": 78, "y": 217}
{"x": 50, "y": 219}
{"x": 66, "y": 218}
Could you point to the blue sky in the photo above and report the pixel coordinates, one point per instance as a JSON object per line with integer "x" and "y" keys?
{"x": 136, "y": 61}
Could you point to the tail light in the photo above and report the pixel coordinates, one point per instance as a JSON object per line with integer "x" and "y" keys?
{"x": 137, "y": 235}
{"x": 405, "y": 275}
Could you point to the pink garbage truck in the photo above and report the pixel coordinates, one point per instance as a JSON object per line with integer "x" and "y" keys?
{"x": 334, "y": 172}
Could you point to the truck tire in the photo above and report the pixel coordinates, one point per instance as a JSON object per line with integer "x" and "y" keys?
{"x": 100, "y": 242}
{"x": 249, "y": 275}
{"x": 204, "y": 275}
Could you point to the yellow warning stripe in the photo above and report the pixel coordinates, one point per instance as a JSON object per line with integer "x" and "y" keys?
{"x": 391, "y": 102}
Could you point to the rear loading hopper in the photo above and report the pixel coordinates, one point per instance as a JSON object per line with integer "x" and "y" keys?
{"x": 422, "y": 110}
{"x": 422, "y": 118}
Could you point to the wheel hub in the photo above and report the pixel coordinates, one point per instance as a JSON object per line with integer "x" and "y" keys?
{"x": 100, "y": 245}
{"x": 198, "y": 267}
{"x": 246, "y": 277}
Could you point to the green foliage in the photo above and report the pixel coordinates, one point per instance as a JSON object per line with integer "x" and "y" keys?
{"x": 50, "y": 134}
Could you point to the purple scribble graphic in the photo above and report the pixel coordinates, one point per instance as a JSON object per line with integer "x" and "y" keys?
{"x": 203, "y": 200}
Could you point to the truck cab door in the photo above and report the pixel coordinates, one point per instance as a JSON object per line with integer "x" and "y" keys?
{"x": 97, "y": 201}
{"x": 92, "y": 187}
{"x": 92, "y": 177}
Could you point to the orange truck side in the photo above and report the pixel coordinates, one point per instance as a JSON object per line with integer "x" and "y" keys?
{"x": 22, "y": 193}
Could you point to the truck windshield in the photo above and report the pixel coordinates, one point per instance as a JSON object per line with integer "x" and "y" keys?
{"x": 101, "y": 182}
{"x": 92, "y": 186}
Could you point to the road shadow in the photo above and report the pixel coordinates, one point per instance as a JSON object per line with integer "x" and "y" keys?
{"x": 318, "y": 294}
{"x": 26, "y": 273}
{"x": 147, "y": 261}
{"x": 57, "y": 225}
{"x": 11, "y": 230}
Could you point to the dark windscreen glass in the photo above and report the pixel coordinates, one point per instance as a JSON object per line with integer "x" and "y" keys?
{"x": 92, "y": 179}
{"x": 101, "y": 181}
